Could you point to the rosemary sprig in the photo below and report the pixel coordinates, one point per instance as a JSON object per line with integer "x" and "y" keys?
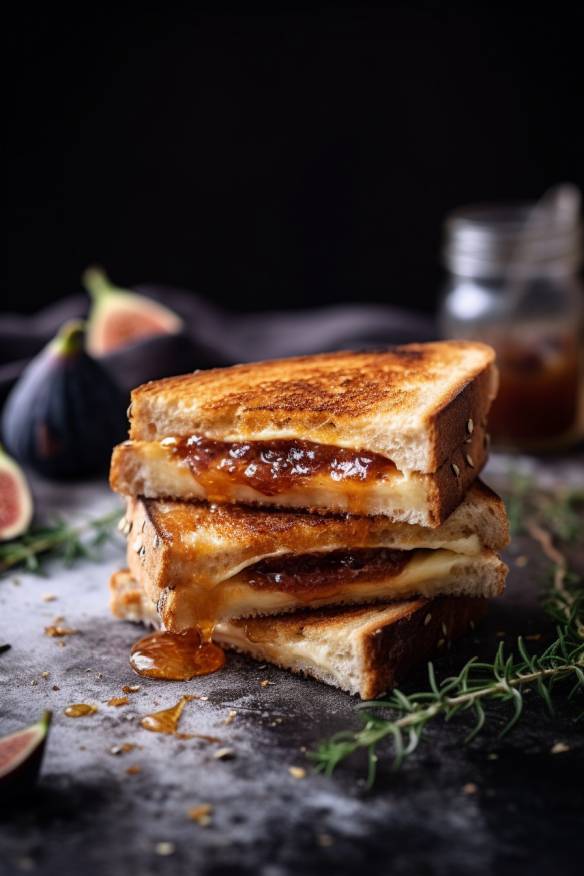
{"x": 58, "y": 539}
{"x": 402, "y": 718}
{"x": 561, "y": 511}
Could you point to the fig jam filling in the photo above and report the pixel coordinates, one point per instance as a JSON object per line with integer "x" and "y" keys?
{"x": 273, "y": 467}
{"x": 309, "y": 572}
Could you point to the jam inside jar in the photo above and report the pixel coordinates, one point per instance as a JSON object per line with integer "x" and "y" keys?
{"x": 515, "y": 284}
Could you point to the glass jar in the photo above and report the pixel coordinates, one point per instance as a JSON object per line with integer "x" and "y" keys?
{"x": 514, "y": 284}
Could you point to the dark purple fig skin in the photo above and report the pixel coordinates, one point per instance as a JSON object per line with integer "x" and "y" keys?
{"x": 64, "y": 415}
{"x": 151, "y": 359}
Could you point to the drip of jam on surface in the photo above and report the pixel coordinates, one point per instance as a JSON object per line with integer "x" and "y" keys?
{"x": 166, "y": 721}
{"x": 273, "y": 467}
{"x": 79, "y": 710}
{"x": 309, "y": 572}
{"x": 175, "y": 656}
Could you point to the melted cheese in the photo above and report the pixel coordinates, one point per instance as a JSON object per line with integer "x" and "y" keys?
{"x": 158, "y": 472}
{"x": 428, "y": 573}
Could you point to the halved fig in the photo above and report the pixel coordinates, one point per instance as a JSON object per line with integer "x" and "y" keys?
{"x": 65, "y": 414}
{"x": 21, "y": 755}
{"x": 119, "y": 317}
{"x": 15, "y": 499}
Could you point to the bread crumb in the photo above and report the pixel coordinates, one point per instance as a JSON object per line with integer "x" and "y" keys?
{"x": 49, "y": 597}
{"x": 470, "y": 788}
{"x": 560, "y": 748}
{"x": 427, "y": 619}
{"x": 224, "y": 754}
{"x": 164, "y": 849}
{"x": 265, "y": 682}
{"x": 44, "y": 674}
{"x": 297, "y": 772}
{"x": 134, "y": 770}
{"x": 118, "y": 701}
{"x": 57, "y": 631}
{"x": 521, "y": 561}
{"x": 231, "y": 716}
{"x": 130, "y": 688}
{"x": 201, "y": 814}
{"x": 124, "y": 748}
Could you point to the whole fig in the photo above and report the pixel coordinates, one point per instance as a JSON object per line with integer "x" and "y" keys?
{"x": 65, "y": 413}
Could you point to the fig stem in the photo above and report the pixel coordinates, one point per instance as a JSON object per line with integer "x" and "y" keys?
{"x": 70, "y": 338}
{"x": 96, "y": 282}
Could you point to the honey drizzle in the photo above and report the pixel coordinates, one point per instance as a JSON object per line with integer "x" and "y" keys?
{"x": 79, "y": 710}
{"x": 175, "y": 656}
{"x": 166, "y": 721}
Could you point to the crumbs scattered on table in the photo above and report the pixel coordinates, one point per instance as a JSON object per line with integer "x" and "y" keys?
{"x": 265, "y": 682}
{"x": 56, "y": 631}
{"x": 118, "y": 701}
{"x": 134, "y": 770}
{"x": 124, "y": 748}
{"x": 201, "y": 814}
{"x": 164, "y": 849}
{"x": 231, "y": 716}
{"x": 131, "y": 688}
{"x": 560, "y": 748}
{"x": 297, "y": 772}
{"x": 224, "y": 754}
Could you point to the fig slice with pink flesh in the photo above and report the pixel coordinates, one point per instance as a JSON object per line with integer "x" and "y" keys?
{"x": 120, "y": 317}
{"x": 21, "y": 755}
{"x": 15, "y": 499}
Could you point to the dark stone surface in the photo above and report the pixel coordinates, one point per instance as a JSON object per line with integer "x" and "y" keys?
{"x": 89, "y": 816}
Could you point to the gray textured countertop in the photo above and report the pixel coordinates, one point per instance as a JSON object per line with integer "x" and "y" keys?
{"x": 90, "y": 816}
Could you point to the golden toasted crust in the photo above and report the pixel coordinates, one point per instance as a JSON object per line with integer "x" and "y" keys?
{"x": 174, "y": 542}
{"x": 392, "y": 639}
{"x": 421, "y": 394}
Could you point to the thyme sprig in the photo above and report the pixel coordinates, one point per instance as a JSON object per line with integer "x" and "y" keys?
{"x": 58, "y": 539}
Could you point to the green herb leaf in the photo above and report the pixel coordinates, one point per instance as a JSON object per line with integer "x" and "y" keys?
{"x": 59, "y": 539}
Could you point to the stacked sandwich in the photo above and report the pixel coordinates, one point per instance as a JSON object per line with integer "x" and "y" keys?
{"x": 321, "y": 513}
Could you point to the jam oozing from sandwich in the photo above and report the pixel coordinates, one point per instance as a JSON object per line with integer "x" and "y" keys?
{"x": 175, "y": 656}
{"x": 273, "y": 467}
{"x": 303, "y": 575}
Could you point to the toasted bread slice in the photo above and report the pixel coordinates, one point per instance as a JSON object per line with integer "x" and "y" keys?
{"x": 350, "y": 482}
{"x": 181, "y": 541}
{"x": 204, "y": 563}
{"x": 410, "y": 404}
{"x": 362, "y": 650}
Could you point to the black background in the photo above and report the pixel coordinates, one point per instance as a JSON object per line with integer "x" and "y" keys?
{"x": 275, "y": 160}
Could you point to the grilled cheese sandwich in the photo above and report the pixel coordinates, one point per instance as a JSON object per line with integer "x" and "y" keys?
{"x": 400, "y": 433}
